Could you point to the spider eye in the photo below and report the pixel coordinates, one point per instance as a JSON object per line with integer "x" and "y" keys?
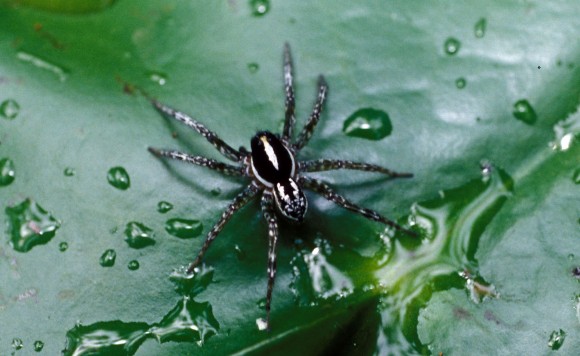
{"x": 290, "y": 200}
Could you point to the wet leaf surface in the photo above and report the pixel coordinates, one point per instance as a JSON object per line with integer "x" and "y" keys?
{"x": 481, "y": 102}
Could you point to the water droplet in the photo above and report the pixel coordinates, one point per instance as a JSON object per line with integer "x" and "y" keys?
{"x": 315, "y": 279}
{"x": 216, "y": 191}
{"x": 30, "y": 225}
{"x": 17, "y": 343}
{"x": 571, "y": 256}
{"x": 478, "y": 201}
{"x": 38, "y": 345}
{"x": 566, "y": 133}
{"x": 261, "y": 324}
{"x": 460, "y": 83}
{"x": 577, "y": 306}
{"x": 240, "y": 254}
{"x": 105, "y": 338}
{"x": 38, "y": 62}
{"x": 7, "y": 172}
{"x": 451, "y": 46}
{"x": 119, "y": 178}
{"x": 9, "y": 109}
{"x": 164, "y": 206}
{"x": 69, "y": 172}
{"x": 133, "y": 265}
{"x": 63, "y": 246}
{"x": 556, "y": 339}
{"x": 523, "y": 111}
{"x": 259, "y": 7}
{"x": 261, "y": 304}
{"x": 253, "y": 67}
{"x": 191, "y": 284}
{"x": 138, "y": 235}
{"x": 576, "y": 176}
{"x": 486, "y": 169}
{"x": 480, "y": 27}
{"x": 189, "y": 321}
{"x": 478, "y": 288}
{"x": 183, "y": 228}
{"x": 576, "y": 272}
{"x": 157, "y": 77}
{"x": 108, "y": 258}
{"x": 368, "y": 123}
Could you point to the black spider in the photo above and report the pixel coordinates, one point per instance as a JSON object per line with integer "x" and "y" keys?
{"x": 274, "y": 172}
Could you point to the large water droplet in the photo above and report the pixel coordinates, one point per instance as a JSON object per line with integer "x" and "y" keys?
{"x": 460, "y": 83}
{"x": 30, "y": 225}
{"x": 183, "y": 228}
{"x": 480, "y": 27}
{"x": 38, "y": 345}
{"x": 523, "y": 111}
{"x": 259, "y": 7}
{"x": 188, "y": 321}
{"x": 368, "y": 123}
{"x": 138, "y": 235}
{"x": 119, "y": 178}
{"x": 108, "y": 258}
{"x": 164, "y": 206}
{"x": 105, "y": 338}
{"x": 9, "y": 109}
{"x": 556, "y": 339}
{"x": 451, "y": 46}
{"x": 7, "y": 172}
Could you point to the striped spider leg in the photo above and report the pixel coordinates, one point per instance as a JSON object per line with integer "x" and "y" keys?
{"x": 274, "y": 172}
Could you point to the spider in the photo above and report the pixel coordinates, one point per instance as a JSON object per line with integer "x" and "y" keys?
{"x": 273, "y": 171}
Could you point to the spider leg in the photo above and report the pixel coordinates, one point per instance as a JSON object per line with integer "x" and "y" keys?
{"x": 320, "y": 165}
{"x": 224, "y": 148}
{"x": 224, "y": 168}
{"x": 290, "y": 102}
{"x": 270, "y": 216}
{"x": 308, "y": 129}
{"x": 240, "y": 200}
{"x": 327, "y": 192}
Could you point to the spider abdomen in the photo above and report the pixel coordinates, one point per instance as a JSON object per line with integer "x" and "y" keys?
{"x": 272, "y": 161}
{"x": 290, "y": 200}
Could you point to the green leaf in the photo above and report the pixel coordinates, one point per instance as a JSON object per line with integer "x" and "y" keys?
{"x": 479, "y": 100}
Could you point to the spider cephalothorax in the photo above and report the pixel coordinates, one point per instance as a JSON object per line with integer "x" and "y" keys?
{"x": 273, "y": 170}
